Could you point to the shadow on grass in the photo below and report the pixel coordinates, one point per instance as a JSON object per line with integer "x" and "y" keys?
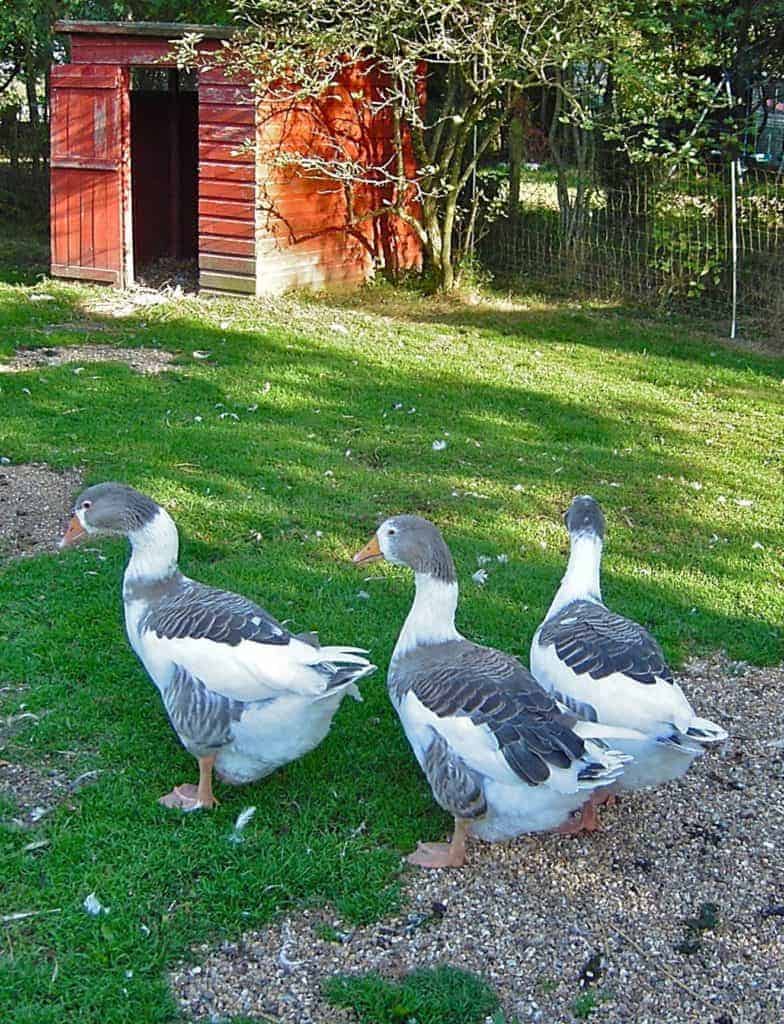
{"x": 605, "y": 326}
{"x": 235, "y": 461}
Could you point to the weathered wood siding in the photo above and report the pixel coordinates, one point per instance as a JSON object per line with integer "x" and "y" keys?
{"x": 87, "y": 158}
{"x": 227, "y": 189}
{"x": 312, "y": 231}
{"x": 261, "y": 227}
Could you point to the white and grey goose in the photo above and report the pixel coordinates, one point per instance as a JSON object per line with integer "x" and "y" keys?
{"x": 242, "y": 693}
{"x": 499, "y": 755}
{"x": 609, "y": 669}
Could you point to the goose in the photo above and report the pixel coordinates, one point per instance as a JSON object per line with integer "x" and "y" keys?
{"x": 243, "y": 694}
{"x": 608, "y": 669}
{"x": 500, "y": 756}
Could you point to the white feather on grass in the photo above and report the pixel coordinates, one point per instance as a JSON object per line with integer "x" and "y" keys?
{"x": 93, "y": 905}
{"x": 242, "y": 820}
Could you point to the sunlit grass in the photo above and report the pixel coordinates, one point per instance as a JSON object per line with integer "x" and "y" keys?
{"x": 310, "y": 421}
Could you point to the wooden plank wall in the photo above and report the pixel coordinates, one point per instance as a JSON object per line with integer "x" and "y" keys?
{"x": 227, "y": 190}
{"x": 141, "y": 51}
{"x": 311, "y": 234}
{"x": 227, "y": 251}
{"x": 86, "y": 172}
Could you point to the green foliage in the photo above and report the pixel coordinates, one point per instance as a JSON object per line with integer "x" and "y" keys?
{"x": 586, "y": 1004}
{"x": 327, "y": 933}
{"x": 200, "y": 12}
{"x": 690, "y": 255}
{"x": 546, "y": 985}
{"x": 26, "y": 38}
{"x": 707, "y": 920}
{"x": 443, "y": 995}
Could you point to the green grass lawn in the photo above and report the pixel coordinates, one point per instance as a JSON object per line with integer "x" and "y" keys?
{"x": 308, "y": 423}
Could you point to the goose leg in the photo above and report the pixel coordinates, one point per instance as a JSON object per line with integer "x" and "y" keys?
{"x": 206, "y": 796}
{"x": 189, "y": 797}
{"x": 586, "y": 821}
{"x": 442, "y": 855}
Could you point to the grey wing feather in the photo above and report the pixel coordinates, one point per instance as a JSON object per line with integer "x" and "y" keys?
{"x": 456, "y": 787}
{"x": 584, "y": 711}
{"x": 588, "y": 637}
{"x": 204, "y": 720}
{"x": 493, "y": 689}
{"x": 196, "y": 611}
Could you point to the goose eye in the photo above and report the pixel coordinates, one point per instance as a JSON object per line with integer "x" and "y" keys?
{"x": 86, "y": 505}
{"x": 391, "y": 532}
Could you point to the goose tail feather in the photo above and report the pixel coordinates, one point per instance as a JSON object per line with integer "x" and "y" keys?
{"x": 705, "y": 732}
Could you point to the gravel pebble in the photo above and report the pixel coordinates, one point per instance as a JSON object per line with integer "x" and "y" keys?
{"x": 34, "y": 501}
{"x": 541, "y": 914}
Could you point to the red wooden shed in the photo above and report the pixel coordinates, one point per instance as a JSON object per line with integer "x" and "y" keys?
{"x": 148, "y": 161}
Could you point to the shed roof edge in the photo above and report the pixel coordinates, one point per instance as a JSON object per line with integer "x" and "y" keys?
{"x": 164, "y": 29}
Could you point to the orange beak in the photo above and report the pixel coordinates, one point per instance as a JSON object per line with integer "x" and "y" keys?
{"x": 74, "y": 533}
{"x": 371, "y": 552}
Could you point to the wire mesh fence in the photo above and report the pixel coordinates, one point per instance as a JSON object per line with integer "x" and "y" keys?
{"x": 674, "y": 241}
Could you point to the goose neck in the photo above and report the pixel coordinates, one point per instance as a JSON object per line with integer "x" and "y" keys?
{"x": 581, "y": 580}
{"x": 432, "y": 616}
{"x": 154, "y": 549}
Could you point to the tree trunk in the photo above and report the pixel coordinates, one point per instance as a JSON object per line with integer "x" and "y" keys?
{"x": 31, "y": 90}
{"x": 433, "y": 241}
{"x": 438, "y": 241}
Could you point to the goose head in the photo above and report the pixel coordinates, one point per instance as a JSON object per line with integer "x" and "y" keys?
{"x": 585, "y": 516}
{"x": 411, "y": 541}
{"x": 109, "y": 508}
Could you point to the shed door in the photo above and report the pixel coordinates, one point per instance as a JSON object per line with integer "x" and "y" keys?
{"x": 88, "y": 129}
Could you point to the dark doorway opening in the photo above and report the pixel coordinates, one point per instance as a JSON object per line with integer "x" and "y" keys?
{"x": 164, "y": 167}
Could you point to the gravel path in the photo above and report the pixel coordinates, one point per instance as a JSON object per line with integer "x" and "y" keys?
{"x": 34, "y": 504}
{"x": 680, "y": 900}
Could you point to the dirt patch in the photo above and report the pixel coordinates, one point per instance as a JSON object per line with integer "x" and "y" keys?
{"x": 143, "y": 360}
{"x": 31, "y": 791}
{"x": 672, "y": 914}
{"x": 34, "y": 502}
{"x": 34, "y": 791}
